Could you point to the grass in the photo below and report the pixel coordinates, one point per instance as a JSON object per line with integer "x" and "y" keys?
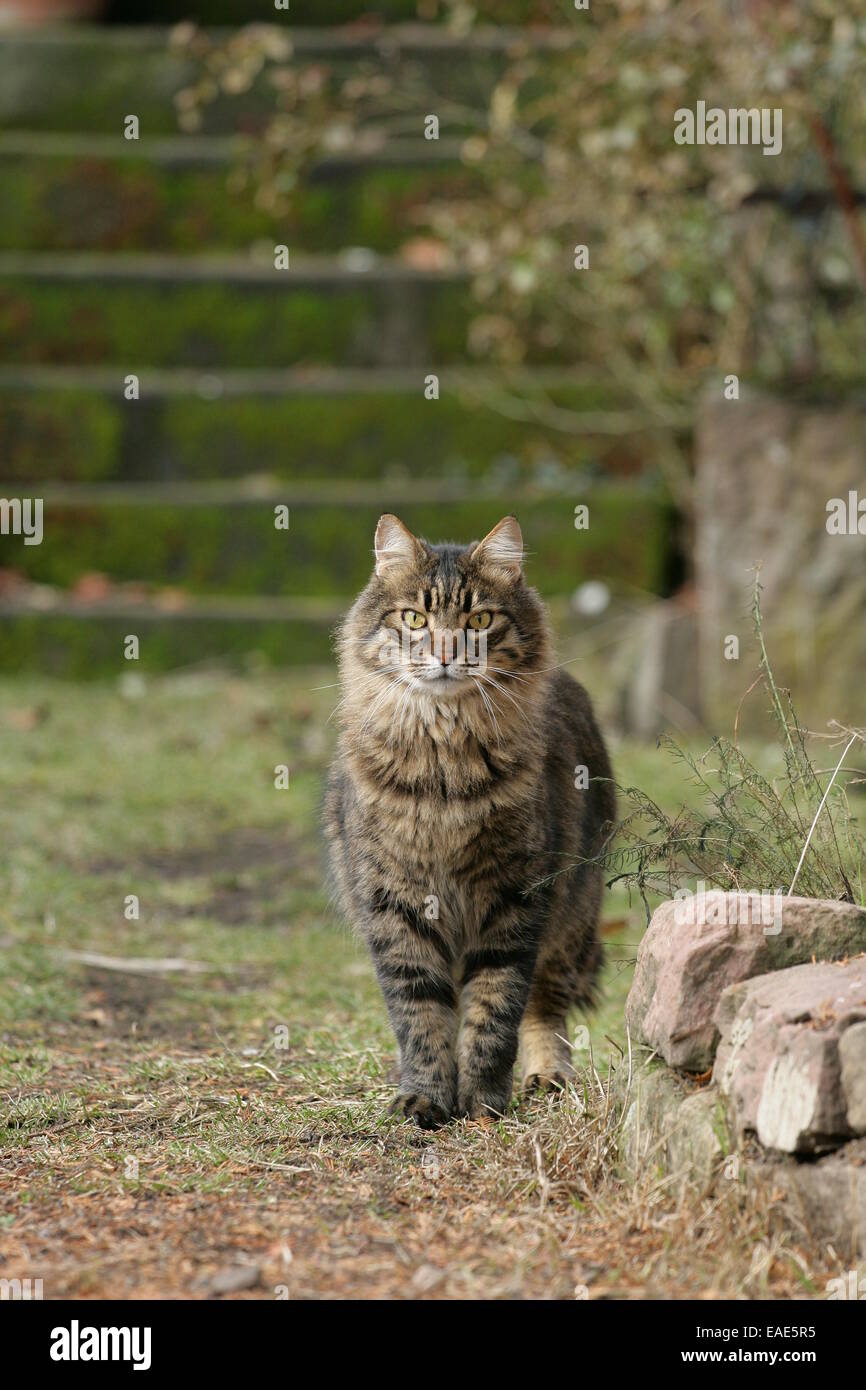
{"x": 181, "y": 1134}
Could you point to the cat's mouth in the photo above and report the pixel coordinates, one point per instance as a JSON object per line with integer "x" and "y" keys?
{"x": 444, "y": 679}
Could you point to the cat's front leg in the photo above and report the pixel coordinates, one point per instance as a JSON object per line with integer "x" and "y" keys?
{"x": 496, "y": 983}
{"x": 413, "y": 965}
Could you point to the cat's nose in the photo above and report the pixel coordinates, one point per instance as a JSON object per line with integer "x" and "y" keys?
{"x": 443, "y": 649}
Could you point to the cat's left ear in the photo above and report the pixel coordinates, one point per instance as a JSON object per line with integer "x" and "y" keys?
{"x": 394, "y": 544}
{"x": 502, "y": 548}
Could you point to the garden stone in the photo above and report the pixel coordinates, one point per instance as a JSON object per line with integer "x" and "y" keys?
{"x": 852, "y": 1056}
{"x": 668, "y": 1127}
{"x": 697, "y": 946}
{"x": 779, "y": 1062}
{"x": 828, "y": 1195}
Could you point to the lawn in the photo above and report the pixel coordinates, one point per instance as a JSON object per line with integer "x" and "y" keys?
{"x": 216, "y": 1124}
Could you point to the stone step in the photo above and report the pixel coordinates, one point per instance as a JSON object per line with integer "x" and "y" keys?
{"x": 89, "y": 78}
{"x": 73, "y": 425}
{"x": 49, "y": 632}
{"x": 227, "y": 311}
{"x": 218, "y": 12}
{"x": 224, "y": 541}
{"x": 334, "y": 12}
{"x": 241, "y": 271}
{"x": 55, "y": 635}
{"x": 95, "y": 193}
{"x": 203, "y": 151}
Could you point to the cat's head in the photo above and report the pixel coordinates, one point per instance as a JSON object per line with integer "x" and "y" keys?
{"x": 448, "y": 621}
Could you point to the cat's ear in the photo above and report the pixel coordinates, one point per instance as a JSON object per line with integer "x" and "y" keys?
{"x": 502, "y": 548}
{"x": 395, "y": 545}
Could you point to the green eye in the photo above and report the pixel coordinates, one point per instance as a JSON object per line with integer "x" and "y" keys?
{"x": 413, "y": 619}
{"x": 480, "y": 620}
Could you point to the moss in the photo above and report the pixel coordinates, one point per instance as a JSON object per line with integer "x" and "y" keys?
{"x": 385, "y": 436}
{"x": 70, "y": 435}
{"x": 212, "y": 324}
{"x": 86, "y": 87}
{"x": 191, "y": 324}
{"x": 378, "y": 208}
{"x": 313, "y": 12}
{"x": 237, "y": 550}
{"x": 131, "y": 205}
{"x": 88, "y": 648}
{"x": 96, "y": 205}
{"x": 236, "y": 324}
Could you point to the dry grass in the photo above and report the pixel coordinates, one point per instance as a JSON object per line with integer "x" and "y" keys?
{"x": 313, "y": 1192}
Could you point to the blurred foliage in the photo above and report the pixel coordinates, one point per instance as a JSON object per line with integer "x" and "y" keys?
{"x": 703, "y": 260}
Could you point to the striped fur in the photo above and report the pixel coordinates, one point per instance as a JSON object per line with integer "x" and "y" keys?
{"x": 450, "y": 810}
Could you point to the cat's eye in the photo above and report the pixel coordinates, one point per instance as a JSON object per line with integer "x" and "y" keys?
{"x": 480, "y": 620}
{"x": 413, "y": 619}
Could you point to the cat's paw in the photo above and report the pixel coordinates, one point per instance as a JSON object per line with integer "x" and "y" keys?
{"x": 539, "y": 1083}
{"x": 483, "y": 1105}
{"x": 426, "y": 1113}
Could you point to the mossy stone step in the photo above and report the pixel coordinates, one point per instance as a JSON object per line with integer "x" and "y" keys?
{"x": 225, "y": 312}
{"x": 236, "y": 549}
{"x": 331, "y": 12}
{"x": 109, "y": 195}
{"x": 90, "y": 79}
{"x": 56, "y": 635}
{"x": 355, "y": 426}
{"x": 86, "y": 645}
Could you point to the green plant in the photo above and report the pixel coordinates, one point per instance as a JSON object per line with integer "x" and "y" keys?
{"x": 756, "y": 829}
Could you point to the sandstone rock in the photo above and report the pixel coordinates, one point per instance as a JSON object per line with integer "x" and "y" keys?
{"x": 683, "y": 967}
{"x": 697, "y": 1141}
{"x": 852, "y": 1057}
{"x": 667, "y": 1126}
{"x": 778, "y": 1062}
{"x": 828, "y": 1196}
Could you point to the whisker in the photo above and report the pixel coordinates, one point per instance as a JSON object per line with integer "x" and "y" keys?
{"x": 490, "y": 681}
{"x": 377, "y": 704}
{"x": 349, "y": 693}
{"x": 488, "y": 705}
{"x": 401, "y": 709}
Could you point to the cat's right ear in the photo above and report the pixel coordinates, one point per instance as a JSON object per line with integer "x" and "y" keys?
{"x": 395, "y": 545}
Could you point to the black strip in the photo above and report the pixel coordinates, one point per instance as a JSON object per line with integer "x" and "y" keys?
{"x": 519, "y": 958}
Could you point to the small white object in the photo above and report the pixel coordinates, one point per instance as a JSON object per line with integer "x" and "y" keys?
{"x": 591, "y": 598}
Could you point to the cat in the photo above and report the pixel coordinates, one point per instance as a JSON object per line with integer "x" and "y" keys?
{"x": 470, "y": 778}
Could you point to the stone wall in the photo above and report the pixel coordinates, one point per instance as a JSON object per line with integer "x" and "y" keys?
{"x": 755, "y": 1066}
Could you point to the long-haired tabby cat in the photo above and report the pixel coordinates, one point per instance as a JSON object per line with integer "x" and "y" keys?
{"x": 470, "y": 772}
